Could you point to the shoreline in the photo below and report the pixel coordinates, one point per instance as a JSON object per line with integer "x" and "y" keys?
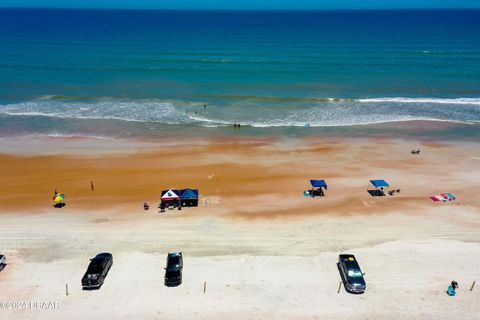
{"x": 119, "y": 130}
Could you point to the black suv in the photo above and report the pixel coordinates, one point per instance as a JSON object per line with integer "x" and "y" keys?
{"x": 173, "y": 271}
{"x": 97, "y": 271}
{"x": 351, "y": 274}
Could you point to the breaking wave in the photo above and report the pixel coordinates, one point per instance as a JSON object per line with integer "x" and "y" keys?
{"x": 109, "y": 110}
{"x": 452, "y": 101}
{"x": 322, "y": 113}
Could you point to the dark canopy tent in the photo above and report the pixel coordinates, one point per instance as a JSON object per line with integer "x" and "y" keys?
{"x": 189, "y": 197}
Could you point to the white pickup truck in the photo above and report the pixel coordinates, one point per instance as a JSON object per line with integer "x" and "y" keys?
{"x": 3, "y": 262}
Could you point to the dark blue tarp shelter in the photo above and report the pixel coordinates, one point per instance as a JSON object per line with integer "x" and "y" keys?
{"x": 379, "y": 183}
{"x": 189, "y": 197}
{"x": 318, "y": 183}
{"x": 189, "y": 194}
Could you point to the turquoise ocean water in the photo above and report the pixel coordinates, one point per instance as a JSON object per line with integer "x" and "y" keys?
{"x": 118, "y": 73}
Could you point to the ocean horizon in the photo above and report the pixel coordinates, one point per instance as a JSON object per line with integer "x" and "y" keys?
{"x": 94, "y": 71}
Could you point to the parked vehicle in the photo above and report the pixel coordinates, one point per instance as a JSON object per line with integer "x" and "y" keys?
{"x": 351, "y": 274}
{"x": 173, "y": 271}
{"x": 97, "y": 271}
{"x": 3, "y": 262}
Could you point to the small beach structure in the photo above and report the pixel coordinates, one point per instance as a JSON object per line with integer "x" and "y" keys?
{"x": 179, "y": 198}
{"x": 189, "y": 197}
{"x": 379, "y": 185}
{"x": 317, "y": 189}
{"x": 169, "y": 198}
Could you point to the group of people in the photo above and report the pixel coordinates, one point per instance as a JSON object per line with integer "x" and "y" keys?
{"x": 235, "y": 124}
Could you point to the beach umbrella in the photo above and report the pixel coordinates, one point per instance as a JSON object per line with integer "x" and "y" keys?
{"x": 59, "y": 197}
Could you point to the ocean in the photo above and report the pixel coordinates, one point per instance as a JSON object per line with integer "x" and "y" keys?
{"x": 131, "y": 72}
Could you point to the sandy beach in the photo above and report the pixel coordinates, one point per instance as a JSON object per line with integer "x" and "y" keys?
{"x": 263, "y": 249}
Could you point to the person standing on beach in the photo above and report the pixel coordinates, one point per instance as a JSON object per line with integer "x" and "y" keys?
{"x": 91, "y": 186}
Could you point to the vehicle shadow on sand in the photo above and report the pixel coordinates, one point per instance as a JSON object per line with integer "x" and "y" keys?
{"x": 91, "y": 289}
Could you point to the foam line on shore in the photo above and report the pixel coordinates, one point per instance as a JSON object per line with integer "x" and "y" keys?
{"x": 335, "y": 113}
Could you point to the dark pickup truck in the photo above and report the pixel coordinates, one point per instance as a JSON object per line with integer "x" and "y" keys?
{"x": 173, "y": 271}
{"x": 97, "y": 271}
{"x": 352, "y": 276}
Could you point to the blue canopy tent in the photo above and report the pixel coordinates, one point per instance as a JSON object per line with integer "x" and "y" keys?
{"x": 378, "y": 183}
{"x": 318, "y": 183}
{"x": 317, "y": 188}
{"x": 189, "y": 197}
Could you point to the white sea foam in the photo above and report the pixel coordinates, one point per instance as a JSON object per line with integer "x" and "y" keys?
{"x": 457, "y": 101}
{"x": 327, "y": 113}
{"x": 110, "y": 110}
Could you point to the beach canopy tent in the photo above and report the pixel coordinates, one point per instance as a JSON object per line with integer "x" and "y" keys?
{"x": 175, "y": 198}
{"x": 170, "y": 194}
{"x": 379, "y": 183}
{"x": 316, "y": 190}
{"x": 318, "y": 183}
{"x": 169, "y": 198}
{"x": 189, "y": 197}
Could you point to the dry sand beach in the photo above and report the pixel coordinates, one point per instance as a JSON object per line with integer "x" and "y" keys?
{"x": 264, "y": 250}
